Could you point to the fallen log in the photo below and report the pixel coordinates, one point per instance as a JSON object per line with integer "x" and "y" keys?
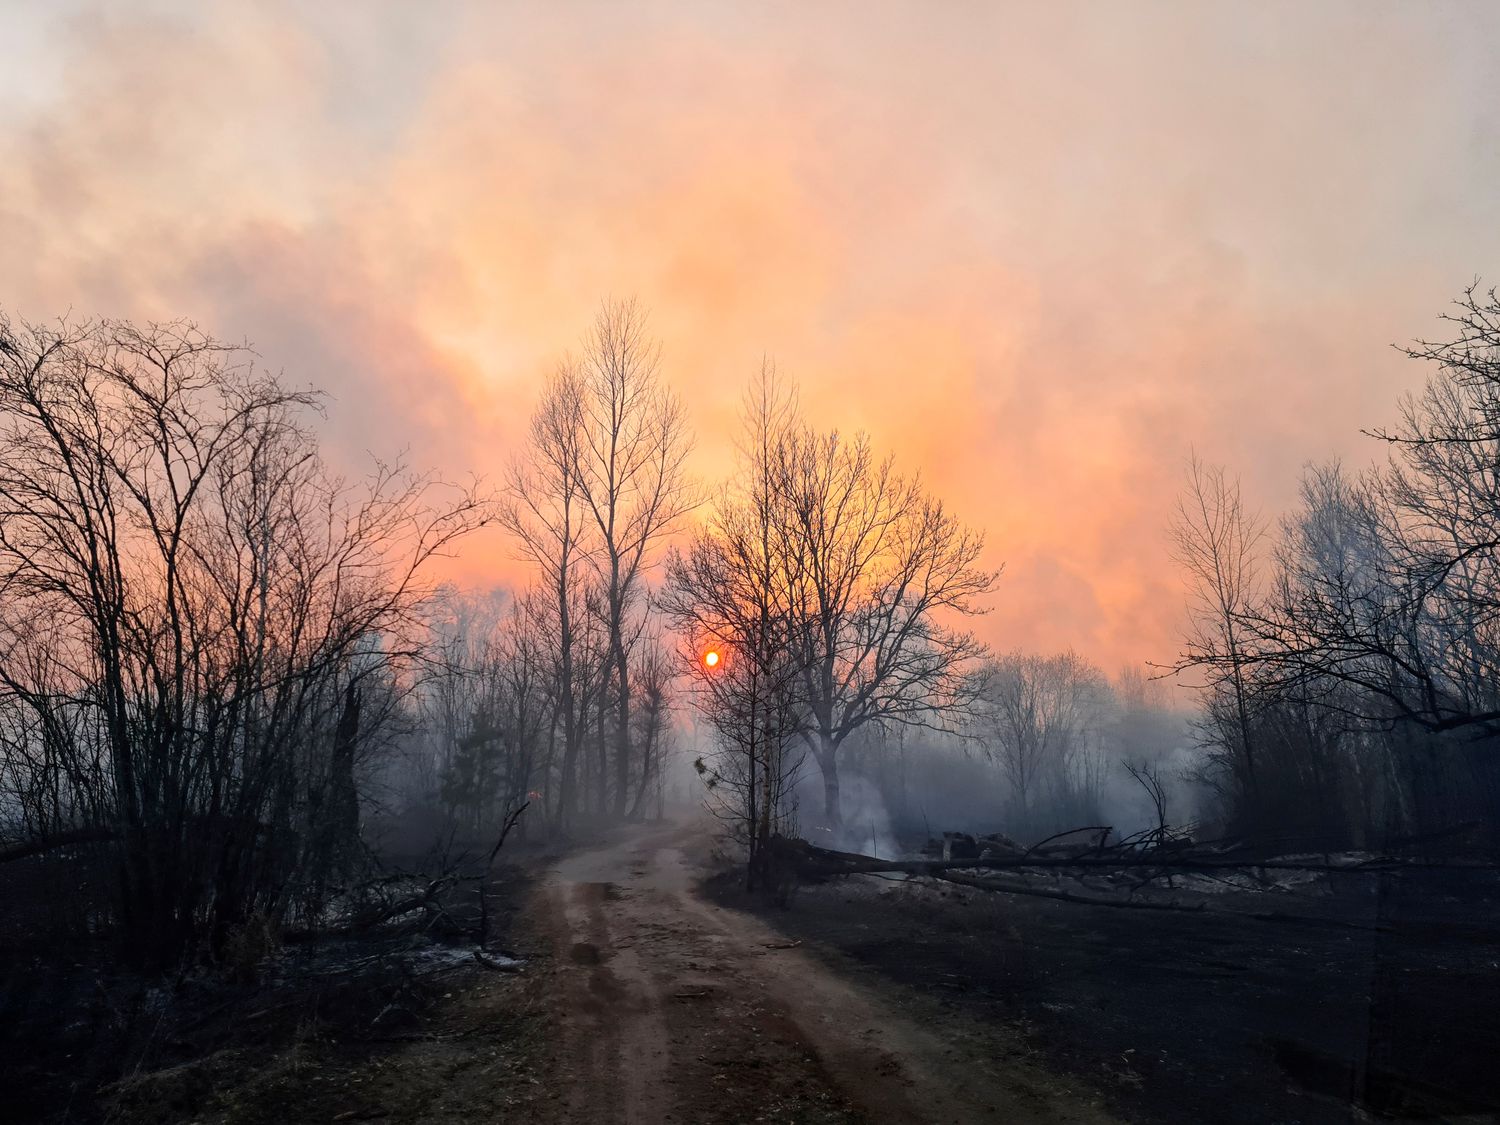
{"x": 826, "y": 862}
{"x": 829, "y": 862}
{"x": 27, "y": 848}
{"x": 428, "y": 901}
{"x": 999, "y": 887}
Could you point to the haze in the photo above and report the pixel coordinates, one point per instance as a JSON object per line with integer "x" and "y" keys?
{"x": 1041, "y": 254}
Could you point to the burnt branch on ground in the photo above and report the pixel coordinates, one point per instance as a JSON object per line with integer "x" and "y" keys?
{"x": 1083, "y": 866}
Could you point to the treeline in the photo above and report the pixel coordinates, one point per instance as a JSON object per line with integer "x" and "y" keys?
{"x": 1352, "y": 652}
{"x": 485, "y": 733}
{"x": 220, "y": 662}
{"x": 225, "y": 676}
{"x": 824, "y": 584}
{"x": 223, "y": 672}
{"x": 1076, "y": 748}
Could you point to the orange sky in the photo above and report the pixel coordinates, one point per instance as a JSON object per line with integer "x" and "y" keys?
{"x": 1038, "y": 251}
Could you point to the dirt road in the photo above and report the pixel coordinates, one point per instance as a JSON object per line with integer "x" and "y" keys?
{"x": 670, "y": 1009}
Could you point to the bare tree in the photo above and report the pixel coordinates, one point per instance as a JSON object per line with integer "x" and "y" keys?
{"x": 1147, "y": 775}
{"x": 545, "y": 511}
{"x": 885, "y": 569}
{"x": 632, "y": 442}
{"x": 224, "y": 620}
{"x": 827, "y": 565}
{"x": 729, "y": 593}
{"x": 1216, "y": 542}
{"x": 1042, "y": 717}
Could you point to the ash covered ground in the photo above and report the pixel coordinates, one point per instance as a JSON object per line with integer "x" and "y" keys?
{"x": 1378, "y": 999}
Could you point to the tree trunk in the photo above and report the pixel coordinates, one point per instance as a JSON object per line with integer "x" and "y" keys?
{"x": 649, "y": 755}
{"x": 566, "y": 703}
{"x": 343, "y": 824}
{"x": 601, "y": 717}
{"x": 828, "y": 762}
{"x": 622, "y": 731}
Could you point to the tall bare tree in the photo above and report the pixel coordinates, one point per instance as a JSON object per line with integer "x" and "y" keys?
{"x": 546, "y": 511}
{"x": 633, "y": 440}
{"x": 852, "y": 574}
{"x": 885, "y": 571}
{"x": 730, "y": 594}
{"x": 1217, "y": 542}
{"x": 599, "y": 487}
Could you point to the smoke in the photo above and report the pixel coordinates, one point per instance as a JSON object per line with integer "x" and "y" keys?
{"x": 900, "y": 788}
{"x": 1037, "y": 276}
{"x": 1127, "y": 806}
{"x": 866, "y": 823}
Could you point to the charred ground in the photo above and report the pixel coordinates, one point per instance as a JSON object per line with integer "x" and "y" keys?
{"x": 863, "y": 1000}
{"x": 396, "y": 1025}
{"x": 1380, "y": 999}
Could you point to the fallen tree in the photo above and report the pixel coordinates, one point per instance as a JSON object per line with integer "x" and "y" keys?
{"x": 811, "y": 859}
{"x": 40, "y": 845}
{"x": 419, "y": 902}
{"x": 1112, "y": 874}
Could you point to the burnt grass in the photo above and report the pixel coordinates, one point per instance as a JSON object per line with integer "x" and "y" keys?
{"x": 1380, "y": 1000}
{"x": 338, "y": 1029}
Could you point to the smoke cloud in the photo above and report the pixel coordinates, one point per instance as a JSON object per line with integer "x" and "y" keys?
{"x": 1041, "y": 282}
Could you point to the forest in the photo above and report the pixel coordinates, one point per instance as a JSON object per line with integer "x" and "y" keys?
{"x": 238, "y": 711}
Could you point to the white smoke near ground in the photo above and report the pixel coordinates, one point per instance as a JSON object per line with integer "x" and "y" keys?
{"x": 1128, "y": 808}
{"x": 902, "y": 789}
{"x": 865, "y": 826}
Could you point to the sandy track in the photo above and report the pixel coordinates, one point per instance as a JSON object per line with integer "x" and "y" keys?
{"x": 671, "y": 1009}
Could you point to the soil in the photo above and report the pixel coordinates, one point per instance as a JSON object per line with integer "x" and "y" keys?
{"x": 669, "y": 1008}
